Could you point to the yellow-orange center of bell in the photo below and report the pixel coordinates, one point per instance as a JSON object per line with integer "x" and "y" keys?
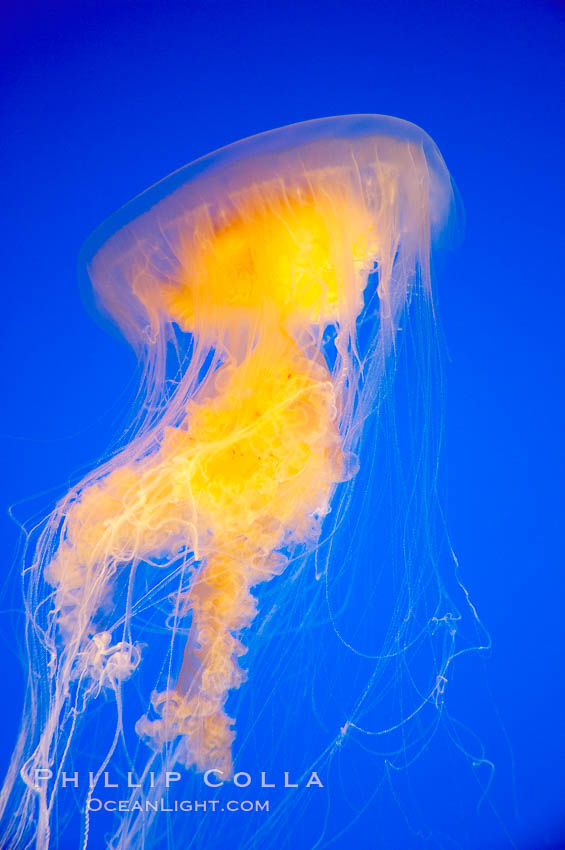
{"x": 277, "y": 255}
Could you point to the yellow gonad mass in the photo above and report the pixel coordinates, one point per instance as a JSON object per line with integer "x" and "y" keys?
{"x": 262, "y": 288}
{"x": 260, "y": 460}
{"x": 251, "y": 470}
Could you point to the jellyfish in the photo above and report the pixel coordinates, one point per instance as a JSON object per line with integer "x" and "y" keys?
{"x": 262, "y": 288}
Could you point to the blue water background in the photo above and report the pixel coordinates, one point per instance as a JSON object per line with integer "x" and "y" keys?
{"x": 100, "y": 100}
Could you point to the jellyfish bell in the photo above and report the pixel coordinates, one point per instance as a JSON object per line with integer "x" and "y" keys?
{"x": 291, "y": 219}
{"x": 276, "y": 270}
